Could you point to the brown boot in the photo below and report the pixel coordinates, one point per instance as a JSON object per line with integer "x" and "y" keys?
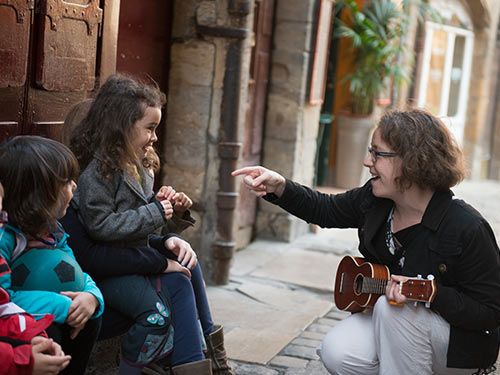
{"x": 217, "y": 353}
{"x": 203, "y": 367}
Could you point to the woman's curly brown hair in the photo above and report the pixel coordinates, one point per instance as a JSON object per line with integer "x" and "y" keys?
{"x": 34, "y": 171}
{"x": 105, "y": 133}
{"x": 431, "y": 158}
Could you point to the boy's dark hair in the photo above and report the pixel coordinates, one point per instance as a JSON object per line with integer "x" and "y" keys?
{"x": 430, "y": 155}
{"x": 34, "y": 170}
{"x": 106, "y": 130}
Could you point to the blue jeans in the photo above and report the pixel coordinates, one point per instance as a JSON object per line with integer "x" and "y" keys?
{"x": 189, "y": 303}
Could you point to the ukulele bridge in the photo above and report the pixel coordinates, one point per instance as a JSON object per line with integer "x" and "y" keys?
{"x": 341, "y": 287}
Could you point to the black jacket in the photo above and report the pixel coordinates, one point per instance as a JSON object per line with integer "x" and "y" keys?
{"x": 101, "y": 260}
{"x": 456, "y": 245}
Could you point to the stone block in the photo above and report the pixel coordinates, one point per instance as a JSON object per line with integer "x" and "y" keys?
{"x": 306, "y": 342}
{"x": 279, "y": 155}
{"x": 287, "y": 361}
{"x": 206, "y": 14}
{"x": 192, "y": 62}
{"x": 295, "y": 10}
{"x": 283, "y": 117}
{"x": 315, "y": 336}
{"x": 184, "y": 21}
{"x": 319, "y": 328}
{"x": 289, "y": 72}
{"x": 191, "y": 182}
{"x": 304, "y": 352}
{"x": 293, "y": 35}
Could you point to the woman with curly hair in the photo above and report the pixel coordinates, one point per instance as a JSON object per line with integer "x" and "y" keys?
{"x": 408, "y": 221}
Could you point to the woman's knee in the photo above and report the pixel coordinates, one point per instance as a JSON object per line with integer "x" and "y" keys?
{"x": 383, "y": 309}
{"x": 331, "y": 353}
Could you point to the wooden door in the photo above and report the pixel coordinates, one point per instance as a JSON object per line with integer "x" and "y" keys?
{"x": 48, "y": 62}
{"x": 256, "y": 110}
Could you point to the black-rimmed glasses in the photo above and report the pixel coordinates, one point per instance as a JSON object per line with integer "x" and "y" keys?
{"x": 383, "y": 154}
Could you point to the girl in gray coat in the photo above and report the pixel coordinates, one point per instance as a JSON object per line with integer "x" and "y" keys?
{"x": 116, "y": 204}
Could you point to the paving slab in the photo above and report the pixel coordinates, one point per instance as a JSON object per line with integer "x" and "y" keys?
{"x": 260, "y": 320}
{"x": 332, "y": 240}
{"x": 257, "y": 254}
{"x": 302, "y": 267}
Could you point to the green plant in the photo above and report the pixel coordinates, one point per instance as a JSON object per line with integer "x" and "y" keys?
{"x": 378, "y": 32}
{"x": 375, "y": 32}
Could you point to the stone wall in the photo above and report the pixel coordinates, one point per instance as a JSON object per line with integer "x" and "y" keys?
{"x": 291, "y": 123}
{"x": 190, "y": 161}
{"x": 478, "y": 131}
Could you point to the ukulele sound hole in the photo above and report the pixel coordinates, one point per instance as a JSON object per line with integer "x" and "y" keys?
{"x": 358, "y": 284}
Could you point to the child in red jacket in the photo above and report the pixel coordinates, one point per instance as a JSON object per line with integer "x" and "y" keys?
{"x": 24, "y": 346}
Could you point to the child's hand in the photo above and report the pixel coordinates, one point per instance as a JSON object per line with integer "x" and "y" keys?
{"x": 185, "y": 254}
{"x": 48, "y": 357}
{"x": 165, "y": 193}
{"x": 83, "y": 306}
{"x": 173, "y": 266}
{"x": 168, "y": 211}
{"x": 181, "y": 203}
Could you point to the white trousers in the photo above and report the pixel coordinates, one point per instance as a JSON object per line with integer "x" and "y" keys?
{"x": 389, "y": 340}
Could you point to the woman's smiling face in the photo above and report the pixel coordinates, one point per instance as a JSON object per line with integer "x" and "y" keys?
{"x": 384, "y": 169}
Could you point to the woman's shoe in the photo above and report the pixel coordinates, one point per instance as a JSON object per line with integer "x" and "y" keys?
{"x": 203, "y": 367}
{"x": 217, "y": 353}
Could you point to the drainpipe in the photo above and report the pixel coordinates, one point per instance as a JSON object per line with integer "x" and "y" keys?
{"x": 228, "y": 147}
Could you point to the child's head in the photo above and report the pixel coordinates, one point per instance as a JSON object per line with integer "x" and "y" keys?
{"x": 37, "y": 177}
{"x": 74, "y": 117}
{"x": 120, "y": 124}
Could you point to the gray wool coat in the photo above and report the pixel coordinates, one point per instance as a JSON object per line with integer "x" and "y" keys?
{"x": 121, "y": 210}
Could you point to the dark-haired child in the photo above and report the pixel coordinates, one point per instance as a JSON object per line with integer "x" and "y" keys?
{"x": 24, "y": 346}
{"x": 37, "y": 175}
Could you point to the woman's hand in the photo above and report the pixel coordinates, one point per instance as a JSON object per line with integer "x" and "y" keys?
{"x": 83, "y": 306}
{"x": 173, "y": 266}
{"x": 261, "y": 181}
{"x": 185, "y": 254}
{"x": 48, "y": 357}
{"x": 393, "y": 290}
{"x": 181, "y": 203}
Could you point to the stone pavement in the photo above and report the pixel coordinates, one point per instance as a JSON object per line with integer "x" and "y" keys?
{"x": 278, "y": 304}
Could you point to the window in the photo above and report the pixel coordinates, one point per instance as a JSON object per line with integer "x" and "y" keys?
{"x": 444, "y": 83}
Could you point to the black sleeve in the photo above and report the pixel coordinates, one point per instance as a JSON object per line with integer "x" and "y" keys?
{"x": 101, "y": 260}
{"x": 326, "y": 210}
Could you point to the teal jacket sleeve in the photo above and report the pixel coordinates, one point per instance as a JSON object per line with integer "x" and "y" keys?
{"x": 91, "y": 287}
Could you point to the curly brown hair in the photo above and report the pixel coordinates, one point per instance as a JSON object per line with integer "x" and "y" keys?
{"x": 431, "y": 158}
{"x": 105, "y": 133}
{"x": 34, "y": 171}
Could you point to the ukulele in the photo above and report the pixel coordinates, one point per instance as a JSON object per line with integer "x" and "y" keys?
{"x": 359, "y": 284}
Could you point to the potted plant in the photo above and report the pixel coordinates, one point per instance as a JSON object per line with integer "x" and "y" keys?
{"x": 376, "y": 32}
